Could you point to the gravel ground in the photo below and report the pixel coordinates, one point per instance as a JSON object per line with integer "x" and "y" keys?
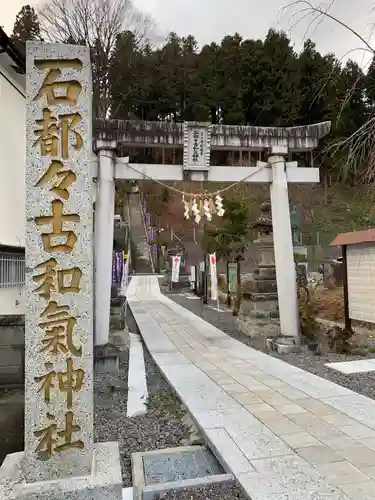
{"x": 11, "y": 421}
{"x": 363, "y": 383}
{"x": 223, "y": 491}
{"x": 161, "y": 427}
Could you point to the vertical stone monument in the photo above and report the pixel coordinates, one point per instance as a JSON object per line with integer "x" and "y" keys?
{"x": 60, "y": 460}
{"x": 259, "y": 314}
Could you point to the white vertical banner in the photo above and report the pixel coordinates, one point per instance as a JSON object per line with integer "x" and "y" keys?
{"x": 213, "y": 273}
{"x": 176, "y": 263}
{"x": 193, "y": 278}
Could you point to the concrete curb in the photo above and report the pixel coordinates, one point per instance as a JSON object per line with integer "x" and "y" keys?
{"x": 137, "y": 385}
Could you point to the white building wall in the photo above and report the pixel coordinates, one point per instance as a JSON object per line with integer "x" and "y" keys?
{"x": 12, "y": 162}
{"x": 361, "y": 282}
{"x": 12, "y": 300}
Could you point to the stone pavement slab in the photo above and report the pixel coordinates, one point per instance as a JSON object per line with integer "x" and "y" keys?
{"x": 349, "y": 367}
{"x": 284, "y": 433}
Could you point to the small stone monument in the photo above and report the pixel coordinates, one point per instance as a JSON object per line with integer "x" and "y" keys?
{"x": 295, "y": 222}
{"x": 60, "y": 460}
{"x": 259, "y": 315}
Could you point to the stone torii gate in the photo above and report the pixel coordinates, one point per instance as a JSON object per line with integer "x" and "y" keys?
{"x": 197, "y": 141}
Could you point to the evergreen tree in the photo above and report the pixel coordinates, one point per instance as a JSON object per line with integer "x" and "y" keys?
{"x": 231, "y": 239}
{"x": 252, "y": 81}
{"x": 229, "y": 81}
{"x": 318, "y": 85}
{"x": 353, "y": 109}
{"x": 279, "y": 94}
{"x": 370, "y": 84}
{"x": 124, "y": 76}
{"x": 26, "y": 26}
{"x": 205, "y": 89}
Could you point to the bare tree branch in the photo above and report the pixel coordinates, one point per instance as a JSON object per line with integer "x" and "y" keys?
{"x": 355, "y": 153}
{"x": 320, "y": 18}
{"x": 96, "y": 23}
{"x": 306, "y": 8}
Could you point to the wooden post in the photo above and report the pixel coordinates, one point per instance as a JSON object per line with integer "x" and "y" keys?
{"x": 205, "y": 280}
{"x": 348, "y": 321}
{"x": 158, "y": 249}
{"x": 229, "y": 298}
{"x": 236, "y": 308}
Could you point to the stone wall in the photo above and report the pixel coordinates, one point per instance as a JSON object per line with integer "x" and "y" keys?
{"x": 12, "y": 350}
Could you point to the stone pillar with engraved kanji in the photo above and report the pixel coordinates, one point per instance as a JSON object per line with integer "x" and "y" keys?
{"x": 60, "y": 459}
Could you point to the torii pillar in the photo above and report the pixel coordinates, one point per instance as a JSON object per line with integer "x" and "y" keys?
{"x": 103, "y": 237}
{"x": 283, "y": 244}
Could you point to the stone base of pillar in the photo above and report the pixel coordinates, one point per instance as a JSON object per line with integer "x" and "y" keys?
{"x": 105, "y": 482}
{"x": 257, "y": 329}
{"x": 284, "y": 345}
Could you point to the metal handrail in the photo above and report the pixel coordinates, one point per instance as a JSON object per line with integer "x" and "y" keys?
{"x": 146, "y": 236}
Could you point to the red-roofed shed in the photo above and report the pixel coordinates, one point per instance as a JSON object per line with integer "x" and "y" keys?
{"x": 358, "y": 252}
{"x": 354, "y": 238}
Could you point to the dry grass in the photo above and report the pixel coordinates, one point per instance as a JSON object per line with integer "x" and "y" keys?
{"x": 330, "y": 304}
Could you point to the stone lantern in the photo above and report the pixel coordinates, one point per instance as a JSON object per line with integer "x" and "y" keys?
{"x": 259, "y": 314}
{"x": 263, "y": 224}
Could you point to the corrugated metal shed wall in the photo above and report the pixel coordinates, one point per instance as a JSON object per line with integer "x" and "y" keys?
{"x": 361, "y": 281}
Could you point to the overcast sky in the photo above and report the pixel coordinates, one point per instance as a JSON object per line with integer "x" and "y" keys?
{"x": 210, "y": 20}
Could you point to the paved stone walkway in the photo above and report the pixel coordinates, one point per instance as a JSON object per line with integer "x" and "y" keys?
{"x": 285, "y": 434}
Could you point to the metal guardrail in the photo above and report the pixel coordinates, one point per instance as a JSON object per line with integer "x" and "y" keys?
{"x": 127, "y": 238}
{"x": 151, "y": 257}
{"x": 12, "y": 270}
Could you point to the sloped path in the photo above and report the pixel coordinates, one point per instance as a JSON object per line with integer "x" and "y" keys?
{"x": 285, "y": 434}
{"x": 141, "y": 261}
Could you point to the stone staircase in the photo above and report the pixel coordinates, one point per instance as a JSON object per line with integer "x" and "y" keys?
{"x": 141, "y": 260}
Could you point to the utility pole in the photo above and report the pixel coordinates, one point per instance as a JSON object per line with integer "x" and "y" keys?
{"x": 205, "y": 280}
